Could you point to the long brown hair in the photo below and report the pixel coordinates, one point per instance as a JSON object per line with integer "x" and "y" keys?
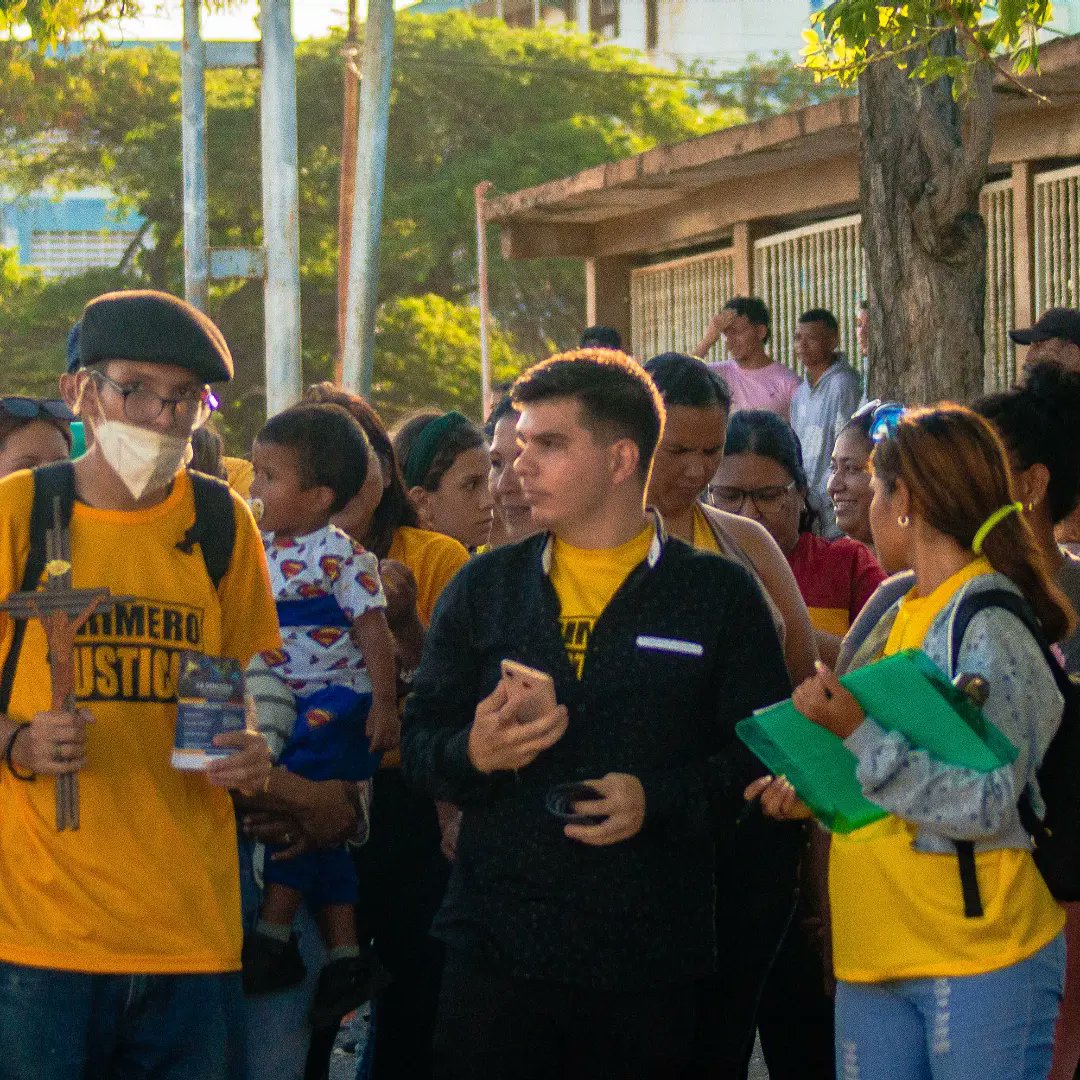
{"x": 955, "y": 467}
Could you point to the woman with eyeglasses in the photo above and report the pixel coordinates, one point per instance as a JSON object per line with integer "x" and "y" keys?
{"x": 931, "y": 985}
{"x": 33, "y": 432}
{"x": 762, "y": 477}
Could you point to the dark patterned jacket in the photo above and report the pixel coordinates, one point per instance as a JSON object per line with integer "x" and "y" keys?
{"x": 685, "y": 649}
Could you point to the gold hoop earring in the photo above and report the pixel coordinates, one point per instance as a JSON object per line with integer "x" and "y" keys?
{"x": 903, "y": 521}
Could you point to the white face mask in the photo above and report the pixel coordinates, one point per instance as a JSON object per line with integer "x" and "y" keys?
{"x": 142, "y": 458}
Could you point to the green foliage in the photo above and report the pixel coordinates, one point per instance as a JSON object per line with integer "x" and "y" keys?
{"x": 49, "y": 20}
{"x": 35, "y": 318}
{"x": 850, "y": 34}
{"x": 427, "y": 352}
{"x": 765, "y": 88}
{"x": 472, "y": 99}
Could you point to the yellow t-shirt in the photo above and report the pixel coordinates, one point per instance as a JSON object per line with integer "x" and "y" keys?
{"x": 585, "y": 580}
{"x": 149, "y": 883}
{"x": 704, "y": 537}
{"x": 433, "y": 558}
{"x": 240, "y": 472}
{"x": 898, "y": 913}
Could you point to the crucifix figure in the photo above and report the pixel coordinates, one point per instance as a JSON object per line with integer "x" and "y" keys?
{"x": 62, "y": 611}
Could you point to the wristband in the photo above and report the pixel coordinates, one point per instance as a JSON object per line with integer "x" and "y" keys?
{"x": 12, "y": 768}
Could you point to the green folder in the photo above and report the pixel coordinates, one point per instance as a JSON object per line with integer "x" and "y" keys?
{"x": 905, "y": 692}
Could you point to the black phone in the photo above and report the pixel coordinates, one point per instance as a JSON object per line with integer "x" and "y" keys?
{"x": 560, "y": 804}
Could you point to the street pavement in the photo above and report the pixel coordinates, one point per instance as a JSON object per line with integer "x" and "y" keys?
{"x": 343, "y": 1065}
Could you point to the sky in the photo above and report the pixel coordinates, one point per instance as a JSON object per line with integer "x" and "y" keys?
{"x": 311, "y": 18}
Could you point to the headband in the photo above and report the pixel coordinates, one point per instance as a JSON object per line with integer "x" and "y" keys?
{"x": 426, "y": 445}
{"x": 997, "y": 516}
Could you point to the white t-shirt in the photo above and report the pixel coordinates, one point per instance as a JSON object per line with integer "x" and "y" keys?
{"x": 322, "y": 565}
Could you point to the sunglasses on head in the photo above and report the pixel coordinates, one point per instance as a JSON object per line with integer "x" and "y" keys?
{"x": 27, "y": 408}
{"x": 884, "y": 417}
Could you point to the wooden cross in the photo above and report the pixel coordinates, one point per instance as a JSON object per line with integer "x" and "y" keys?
{"x": 62, "y": 611}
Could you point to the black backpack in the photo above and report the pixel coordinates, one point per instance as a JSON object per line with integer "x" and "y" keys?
{"x": 214, "y": 530}
{"x": 1057, "y": 835}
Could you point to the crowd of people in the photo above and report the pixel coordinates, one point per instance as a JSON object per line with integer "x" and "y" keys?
{"x": 583, "y": 874}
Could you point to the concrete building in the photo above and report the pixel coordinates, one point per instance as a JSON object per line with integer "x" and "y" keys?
{"x": 720, "y": 34}
{"x": 771, "y": 209}
{"x": 62, "y": 235}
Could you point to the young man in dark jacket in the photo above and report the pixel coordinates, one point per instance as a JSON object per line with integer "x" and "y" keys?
{"x": 573, "y": 949}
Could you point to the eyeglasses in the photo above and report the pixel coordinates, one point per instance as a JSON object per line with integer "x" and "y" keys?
{"x": 143, "y": 406}
{"x": 733, "y": 499}
{"x": 884, "y": 418}
{"x": 28, "y": 408}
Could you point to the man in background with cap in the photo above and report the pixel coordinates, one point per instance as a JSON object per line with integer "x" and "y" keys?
{"x": 120, "y": 941}
{"x": 1054, "y": 338}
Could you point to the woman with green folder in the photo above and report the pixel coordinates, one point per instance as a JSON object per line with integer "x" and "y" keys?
{"x": 923, "y": 989}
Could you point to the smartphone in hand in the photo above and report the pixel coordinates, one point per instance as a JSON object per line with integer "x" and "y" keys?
{"x": 531, "y": 691}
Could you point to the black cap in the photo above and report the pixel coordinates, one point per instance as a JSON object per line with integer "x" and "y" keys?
{"x": 156, "y": 328}
{"x": 1057, "y": 322}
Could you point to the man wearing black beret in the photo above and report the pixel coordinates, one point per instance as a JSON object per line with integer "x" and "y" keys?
{"x": 120, "y": 940}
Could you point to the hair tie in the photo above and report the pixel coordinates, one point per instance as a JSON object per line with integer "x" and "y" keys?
{"x": 999, "y": 515}
{"x": 426, "y": 445}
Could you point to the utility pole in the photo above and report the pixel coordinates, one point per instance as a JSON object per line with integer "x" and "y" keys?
{"x": 480, "y": 193}
{"x": 193, "y": 136}
{"x": 281, "y": 203}
{"x": 358, "y": 353}
{"x": 347, "y": 187}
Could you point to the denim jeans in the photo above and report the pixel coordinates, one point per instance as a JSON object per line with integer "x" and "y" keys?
{"x": 277, "y": 1024}
{"x": 994, "y": 1026}
{"x": 63, "y": 1025}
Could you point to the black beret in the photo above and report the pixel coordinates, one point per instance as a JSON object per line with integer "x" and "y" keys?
{"x": 156, "y": 328}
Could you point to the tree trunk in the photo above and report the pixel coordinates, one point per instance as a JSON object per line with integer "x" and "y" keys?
{"x": 924, "y": 160}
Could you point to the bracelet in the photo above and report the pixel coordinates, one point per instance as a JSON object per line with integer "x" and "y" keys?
{"x": 12, "y": 768}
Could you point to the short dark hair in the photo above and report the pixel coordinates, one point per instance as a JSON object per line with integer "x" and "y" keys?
{"x": 686, "y": 380}
{"x": 207, "y": 451}
{"x": 600, "y": 337}
{"x": 504, "y": 407}
{"x": 752, "y": 310}
{"x": 10, "y": 424}
{"x": 616, "y": 394}
{"x": 330, "y": 446}
{"x": 1037, "y": 422}
{"x": 821, "y": 315}
{"x": 759, "y": 431}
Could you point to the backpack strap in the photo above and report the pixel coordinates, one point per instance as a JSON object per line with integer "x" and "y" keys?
{"x": 50, "y": 482}
{"x": 968, "y": 607}
{"x": 214, "y": 529}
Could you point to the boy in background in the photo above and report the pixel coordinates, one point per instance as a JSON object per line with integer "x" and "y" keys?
{"x": 337, "y": 657}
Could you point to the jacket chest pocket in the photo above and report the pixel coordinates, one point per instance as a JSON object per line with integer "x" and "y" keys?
{"x": 668, "y": 670}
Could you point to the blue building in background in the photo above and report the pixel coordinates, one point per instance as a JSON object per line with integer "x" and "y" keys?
{"x": 68, "y": 234}
{"x": 61, "y": 234}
